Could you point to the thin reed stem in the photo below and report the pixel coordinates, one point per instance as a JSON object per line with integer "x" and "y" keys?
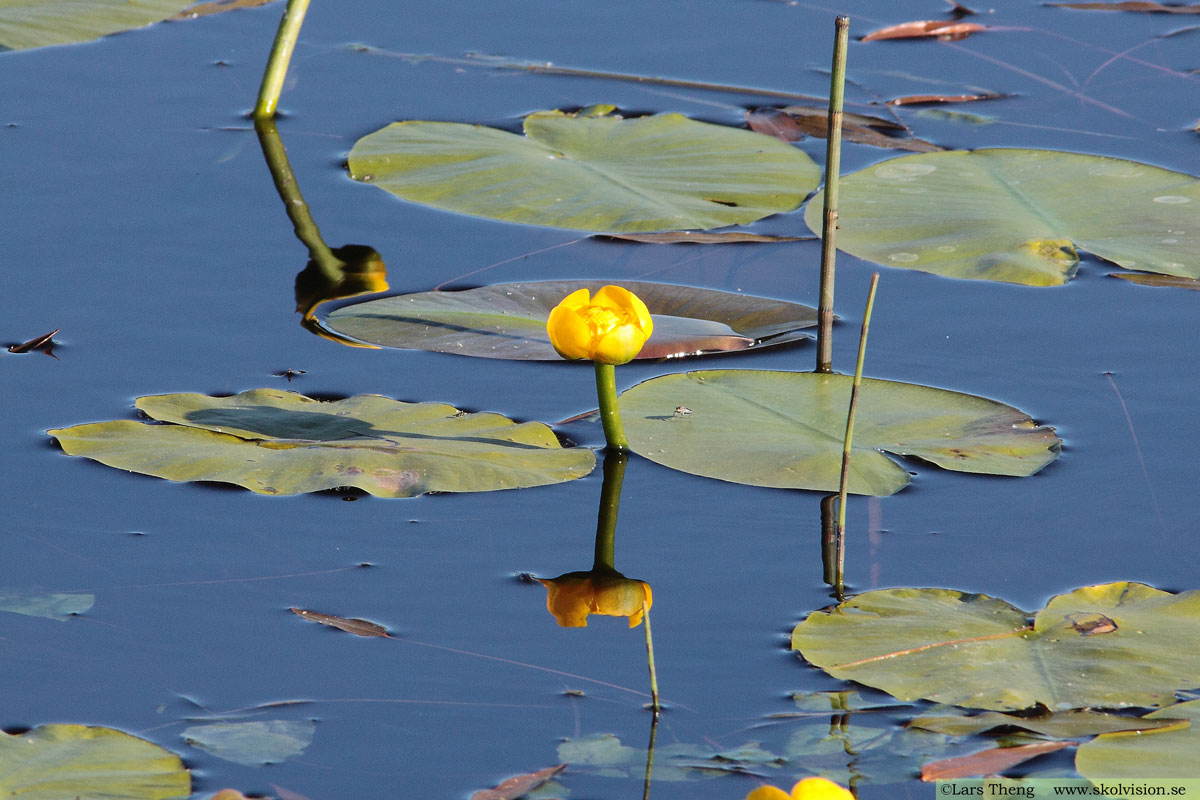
{"x": 833, "y": 165}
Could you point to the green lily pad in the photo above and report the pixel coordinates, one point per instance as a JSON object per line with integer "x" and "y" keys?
{"x": 785, "y": 429}
{"x": 1170, "y": 752}
{"x": 52, "y": 762}
{"x": 509, "y": 320}
{"x": 254, "y": 744}
{"x": 593, "y": 173}
{"x": 277, "y": 442}
{"x": 1114, "y": 645}
{"x": 1017, "y": 216}
{"x": 58, "y": 606}
{"x": 38, "y": 23}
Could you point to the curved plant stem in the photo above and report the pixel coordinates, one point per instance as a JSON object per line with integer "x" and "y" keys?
{"x": 858, "y": 369}
{"x": 610, "y": 414}
{"x": 281, "y": 55}
{"x": 833, "y": 165}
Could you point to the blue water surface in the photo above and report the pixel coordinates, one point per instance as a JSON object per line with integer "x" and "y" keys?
{"x": 142, "y": 221}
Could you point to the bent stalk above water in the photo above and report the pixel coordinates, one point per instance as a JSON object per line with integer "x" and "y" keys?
{"x": 281, "y": 56}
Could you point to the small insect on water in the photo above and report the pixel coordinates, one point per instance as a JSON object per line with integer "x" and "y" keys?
{"x": 682, "y": 411}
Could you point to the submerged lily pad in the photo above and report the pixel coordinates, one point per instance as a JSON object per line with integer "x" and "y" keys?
{"x": 58, "y": 606}
{"x": 594, "y": 173}
{"x": 254, "y": 743}
{"x": 785, "y": 429}
{"x": 38, "y": 23}
{"x": 509, "y": 320}
{"x": 52, "y": 762}
{"x": 276, "y": 442}
{"x": 1017, "y": 216}
{"x": 1109, "y": 646}
{"x": 1170, "y": 752}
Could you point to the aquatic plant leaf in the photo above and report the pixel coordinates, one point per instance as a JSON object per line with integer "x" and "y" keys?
{"x": 793, "y": 123}
{"x": 52, "y": 762}
{"x": 1057, "y": 725}
{"x": 1168, "y": 281}
{"x": 38, "y": 23}
{"x": 1151, "y": 754}
{"x": 1112, "y": 645}
{"x": 519, "y": 785}
{"x": 255, "y": 743}
{"x": 1133, "y": 5}
{"x": 52, "y": 606}
{"x": 942, "y": 29}
{"x": 1017, "y": 216}
{"x": 604, "y": 755}
{"x": 277, "y": 442}
{"x": 987, "y": 762}
{"x": 508, "y": 320}
{"x": 664, "y": 172}
{"x": 785, "y": 429}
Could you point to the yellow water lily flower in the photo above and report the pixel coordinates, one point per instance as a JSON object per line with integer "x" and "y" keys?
{"x": 572, "y": 597}
{"x": 609, "y": 328}
{"x": 807, "y": 789}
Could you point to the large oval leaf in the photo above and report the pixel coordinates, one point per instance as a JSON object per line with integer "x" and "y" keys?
{"x": 785, "y": 429}
{"x": 1018, "y": 216}
{"x": 38, "y": 23}
{"x": 275, "y": 442}
{"x": 509, "y": 320}
{"x": 1164, "y": 753}
{"x": 254, "y": 743}
{"x": 664, "y": 172}
{"x": 53, "y": 762}
{"x": 1111, "y": 646}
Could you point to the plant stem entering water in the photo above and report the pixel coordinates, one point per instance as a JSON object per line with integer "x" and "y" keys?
{"x": 281, "y": 56}
{"x": 833, "y": 165}
{"x": 858, "y": 370}
{"x": 610, "y": 413}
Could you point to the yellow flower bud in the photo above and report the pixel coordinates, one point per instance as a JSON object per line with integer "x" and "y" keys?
{"x": 572, "y": 597}
{"x": 609, "y": 328}
{"x": 807, "y": 789}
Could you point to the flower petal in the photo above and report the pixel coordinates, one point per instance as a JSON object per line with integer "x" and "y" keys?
{"x": 569, "y": 332}
{"x": 619, "y": 345}
{"x": 767, "y": 793}
{"x": 819, "y": 789}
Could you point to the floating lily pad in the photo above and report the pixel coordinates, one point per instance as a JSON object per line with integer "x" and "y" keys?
{"x": 1109, "y": 646}
{"x": 594, "y": 173}
{"x": 1170, "y": 752}
{"x": 785, "y": 429}
{"x": 509, "y": 320}
{"x": 38, "y": 23}
{"x": 1018, "y": 216}
{"x": 53, "y": 762}
{"x": 58, "y": 606}
{"x": 276, "y": 442}
{"x": 255, "y": 743}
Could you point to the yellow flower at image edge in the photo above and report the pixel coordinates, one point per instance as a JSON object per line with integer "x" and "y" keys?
{"x": 572, "y": 597}
{"x": 807, "y": 789}
{"x": 609, "y": 328}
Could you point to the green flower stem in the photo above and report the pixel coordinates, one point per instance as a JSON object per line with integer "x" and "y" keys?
{"x": 655, "y": 706}
{"x": 281, "y": 56}
{"x": 610, "y": 502}
{"x": 610, "y": 413}
{"x": 650, "y": 757}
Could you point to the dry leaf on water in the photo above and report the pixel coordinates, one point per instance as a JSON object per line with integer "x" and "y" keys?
{"x": 987, "y": 762}
{"x": 287, "y": 794}
{"x": 943, "y": 29}
{"x": 793, "y": 123}
{"x": 915, "y": 99}
{"x": 229, "y": 794}
{"x": 36, "y": 343}
{"x": 359, "y": 627}
{"x": 519, "y": 786}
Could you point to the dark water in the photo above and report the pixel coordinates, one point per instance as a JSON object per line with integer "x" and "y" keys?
{"x": 141, "y": 220}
